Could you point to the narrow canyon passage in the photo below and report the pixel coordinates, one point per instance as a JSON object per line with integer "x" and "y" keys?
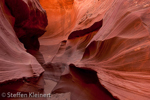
{"x": 74, "y": 50}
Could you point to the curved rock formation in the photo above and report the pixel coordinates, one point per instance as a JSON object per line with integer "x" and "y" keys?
{"x": 92, "y": 49}
{"x": 66, "y": 16}
{"x": 30, "y": 23}
{"x": 118, "y": 51}
{"x": 16, "y": 65}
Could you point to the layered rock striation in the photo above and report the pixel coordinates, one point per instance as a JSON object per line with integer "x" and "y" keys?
{"x": 89, "y": 49}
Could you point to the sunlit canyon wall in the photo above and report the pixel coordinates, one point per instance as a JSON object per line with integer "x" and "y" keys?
{"x": 75, "y": 49}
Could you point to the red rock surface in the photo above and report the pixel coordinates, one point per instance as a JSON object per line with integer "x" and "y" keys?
{"x": 119, "y": 52}
{"x": 91, "y": 50}
{"x": 16, "y": 65}
{"x": 66, "y": 16}
{"x": 15, "y": 62}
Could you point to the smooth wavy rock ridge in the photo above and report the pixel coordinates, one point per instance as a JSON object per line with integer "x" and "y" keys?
{"x": 75, "y": 49}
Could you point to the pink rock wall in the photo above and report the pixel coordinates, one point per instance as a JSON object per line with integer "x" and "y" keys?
{"x": 66, "y": 16}
{"x": 17, "y": 67}
{"x": 15, "y": 62}
{"x": 92, "y": 49}
{"x": 118, "y": 51}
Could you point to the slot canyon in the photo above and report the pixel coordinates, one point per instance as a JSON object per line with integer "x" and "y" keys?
{"x": 74, "y": 49}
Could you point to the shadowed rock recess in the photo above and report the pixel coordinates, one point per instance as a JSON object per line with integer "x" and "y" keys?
{"x": 74, "y": 50}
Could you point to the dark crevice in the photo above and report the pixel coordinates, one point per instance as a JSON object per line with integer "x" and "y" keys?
{"x": 79, "y": 33}
{"x": 89, "y": 76}
{"x": 83, "y": 82}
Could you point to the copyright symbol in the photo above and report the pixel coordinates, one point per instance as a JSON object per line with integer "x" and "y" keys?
{"x": 3, "y": 94}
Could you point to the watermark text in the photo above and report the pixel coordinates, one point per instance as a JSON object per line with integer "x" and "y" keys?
{"x": 25, "y": 95}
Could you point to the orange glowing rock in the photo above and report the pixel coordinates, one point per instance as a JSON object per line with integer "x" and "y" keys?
{"x": 91, "y": 50}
